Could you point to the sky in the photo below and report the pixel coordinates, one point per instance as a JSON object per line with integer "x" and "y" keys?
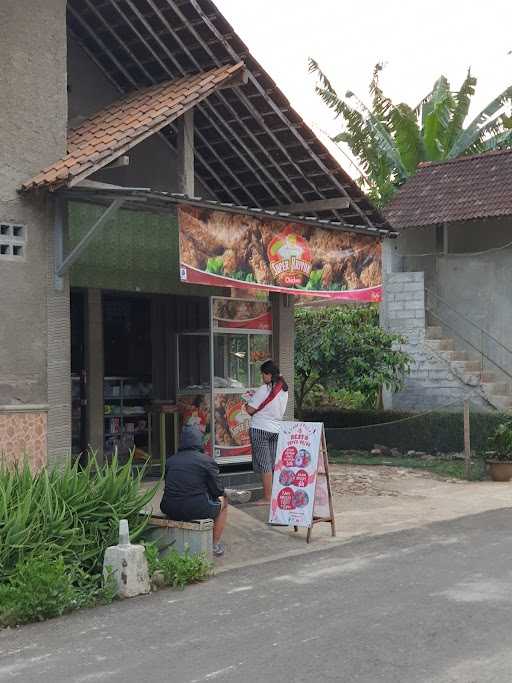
{"x": 417, "y": 41}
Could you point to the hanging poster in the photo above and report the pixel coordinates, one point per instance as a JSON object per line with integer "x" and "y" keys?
{"x": 241, "y": 314}
{"x": 232, "y": 422}
{"x": 246, "y": 252}
{"x": 299, "y": 493}
{"x": 195, "y": 410}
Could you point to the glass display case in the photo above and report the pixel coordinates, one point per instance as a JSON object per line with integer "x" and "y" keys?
{"x": 193, "y": 393}
{"x": 217, "y": 372}
{"x": 126, "y": 413}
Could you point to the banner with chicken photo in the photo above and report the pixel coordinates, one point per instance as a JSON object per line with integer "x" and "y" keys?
{"x": 232, "y": 424}
{"x": 235, "y": 250}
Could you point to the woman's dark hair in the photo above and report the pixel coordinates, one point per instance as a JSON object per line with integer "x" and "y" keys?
{"x": 270, "y": 368}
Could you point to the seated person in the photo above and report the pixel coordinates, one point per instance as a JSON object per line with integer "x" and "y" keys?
{"x": 193, "y": 488}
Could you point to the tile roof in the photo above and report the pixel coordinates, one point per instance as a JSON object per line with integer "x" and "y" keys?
{"x": 251, "y": 147}
{"x": 111, "y": 132}
{"x": 461, "y": 189}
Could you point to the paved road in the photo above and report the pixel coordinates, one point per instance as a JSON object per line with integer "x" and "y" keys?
{"x": 428, "y": 605}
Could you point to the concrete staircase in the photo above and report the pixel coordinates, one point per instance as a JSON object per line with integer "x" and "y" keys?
{"x": 493, "y": 389}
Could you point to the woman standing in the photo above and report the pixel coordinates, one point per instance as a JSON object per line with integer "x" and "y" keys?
{"x": 266, "y": 408}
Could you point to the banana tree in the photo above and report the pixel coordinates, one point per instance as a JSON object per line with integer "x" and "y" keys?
{"x": 390, "y": 140}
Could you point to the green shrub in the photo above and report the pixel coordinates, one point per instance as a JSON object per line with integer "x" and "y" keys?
{"x": 437, "y": 431}
{"x": 152, "y": 556}
{"x": 178, "y": 570}
{"x": 500, "y": 441}
{"x": 69, "y": 512}
{"x": 41, "y": 588}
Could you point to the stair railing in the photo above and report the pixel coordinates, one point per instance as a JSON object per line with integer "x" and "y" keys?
{"x": 488, "y": 348}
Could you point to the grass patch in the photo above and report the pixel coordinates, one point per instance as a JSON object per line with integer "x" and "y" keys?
{"x": 177, "y": 570}
{"x": 444, "y": 467}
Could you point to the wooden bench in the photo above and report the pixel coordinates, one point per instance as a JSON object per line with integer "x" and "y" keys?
{"x": 196, "y": 535}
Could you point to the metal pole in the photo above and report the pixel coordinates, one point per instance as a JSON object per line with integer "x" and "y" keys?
{"x": 467, "y": 441}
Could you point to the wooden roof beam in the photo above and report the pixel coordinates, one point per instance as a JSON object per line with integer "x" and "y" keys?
{"x": 315, "y": 205}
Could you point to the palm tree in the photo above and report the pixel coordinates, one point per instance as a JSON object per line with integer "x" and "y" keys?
{"x": 390, "y": 140}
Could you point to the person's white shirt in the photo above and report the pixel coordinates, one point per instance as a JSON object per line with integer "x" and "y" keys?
{"x": 269, "y": 418}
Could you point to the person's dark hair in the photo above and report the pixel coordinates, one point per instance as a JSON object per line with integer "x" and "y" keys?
{"x": 270, "y": 368}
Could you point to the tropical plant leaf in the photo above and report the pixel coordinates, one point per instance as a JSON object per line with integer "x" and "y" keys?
{"x": 437, "y": 119}
{"x": 486, "y": 123}
{"x": 407, "y": 136}
{"x": 462, "y": 102}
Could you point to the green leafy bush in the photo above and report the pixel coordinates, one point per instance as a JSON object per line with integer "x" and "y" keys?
{"x": 178, "y": 570}
{"x": 38, "y": 589}
{"x": 69, "y": 512}
{"x": 344, "y": 349}
{"x": 152, "y": 556}
{"x": 42, "y": 587}
{"x": 501, "y": 442}
{"x": 438, "y": 431}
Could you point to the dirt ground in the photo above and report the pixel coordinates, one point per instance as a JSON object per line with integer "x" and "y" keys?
{"x": 360, "y": 480}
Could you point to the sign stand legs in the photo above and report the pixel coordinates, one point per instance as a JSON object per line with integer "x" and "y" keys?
{"x": 330, "y": 519}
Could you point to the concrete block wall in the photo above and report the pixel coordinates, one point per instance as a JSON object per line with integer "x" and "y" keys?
{"x": 431, "y": 382}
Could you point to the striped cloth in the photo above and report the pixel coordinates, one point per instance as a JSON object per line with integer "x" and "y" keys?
{"x": 264, "y": 447}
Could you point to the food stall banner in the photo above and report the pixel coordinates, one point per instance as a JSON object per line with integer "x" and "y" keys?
{"x": 241, "y": 314}
{"x": 298, "y": 492}
{"x": 246, "y": 252}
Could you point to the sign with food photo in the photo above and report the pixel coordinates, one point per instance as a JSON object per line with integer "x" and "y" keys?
{"x": 195, "y": 410}
{"x": 297, "y": 491}
{"x": 232, "y": 424}
{"x": 246, "y": 252}
{"x": 241, "y": 314}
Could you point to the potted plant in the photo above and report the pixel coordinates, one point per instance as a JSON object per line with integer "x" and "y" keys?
{"x": 499, "y": 458}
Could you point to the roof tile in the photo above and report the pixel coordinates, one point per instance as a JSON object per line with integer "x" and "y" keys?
{"x": 123, "y": 124}
{"x": 462, "y": 189}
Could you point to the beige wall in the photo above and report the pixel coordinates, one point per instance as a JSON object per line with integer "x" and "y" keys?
{"x": 32, "y": 135}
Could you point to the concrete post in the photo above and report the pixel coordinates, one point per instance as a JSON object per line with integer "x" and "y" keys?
{"x": 283, "y": 341}
{"x": 58, "y": 363}
{"x": 95, "y": 371}
{"x": 185, "y": 154}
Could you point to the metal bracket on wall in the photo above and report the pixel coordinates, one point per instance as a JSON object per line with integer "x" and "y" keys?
{"x": 64, "y": 263}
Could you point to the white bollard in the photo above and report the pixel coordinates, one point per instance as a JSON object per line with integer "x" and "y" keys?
{"x": 128, "y": 564}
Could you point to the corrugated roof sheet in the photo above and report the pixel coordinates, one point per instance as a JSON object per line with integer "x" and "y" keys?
{"x": 111, "y": 132}
{"x": 461, "y": 189}
{"x": 158, "y": 199}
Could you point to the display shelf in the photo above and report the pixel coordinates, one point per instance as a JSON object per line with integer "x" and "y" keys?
{"x": 120, "y": 393}
{"x": 215, "y": 369}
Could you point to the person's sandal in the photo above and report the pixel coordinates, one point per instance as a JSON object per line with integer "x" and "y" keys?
{"x": 218, "y": 549}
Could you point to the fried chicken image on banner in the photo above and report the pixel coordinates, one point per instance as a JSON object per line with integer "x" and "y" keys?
{"x": 238, "y": 246}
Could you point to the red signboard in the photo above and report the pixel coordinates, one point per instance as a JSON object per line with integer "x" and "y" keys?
{"x": 245, "y": 252}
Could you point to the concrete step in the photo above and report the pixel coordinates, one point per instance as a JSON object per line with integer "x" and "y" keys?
{"x": 498, "y": 388}
{"x": 502, "y": 402}
{"x": 441, "y": 344}
{"x": 434, "y": 332}
{"x": 488, "y": 377}
{"x": 454, "y": 355}
{"x": 466, "y": 366}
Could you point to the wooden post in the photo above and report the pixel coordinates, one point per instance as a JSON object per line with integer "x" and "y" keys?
{"x": 467, "y": 441}
{"x": 185, "y": 154}
{"x": 94, "y": 363}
